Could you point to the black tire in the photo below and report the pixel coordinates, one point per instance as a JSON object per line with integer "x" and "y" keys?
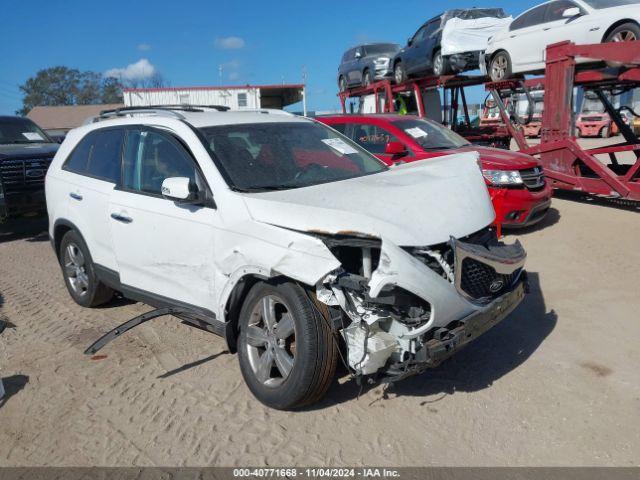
{"x": 342, "y": 84}
{"x": 366, "y": 78}
{"x": 440, "y": 64}
{"x": 627, "y": 32}
{"x": 311, "y": 348}
{"x": 500, "y": 67}
{"x": 79, "y": 273}
{"x": 399, "y": 73}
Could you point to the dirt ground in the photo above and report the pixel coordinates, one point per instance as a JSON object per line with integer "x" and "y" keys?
{"x": 557, "y": 383}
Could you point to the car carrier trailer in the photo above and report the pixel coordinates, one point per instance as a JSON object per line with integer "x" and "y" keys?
{"x": 567, "y": 164}
{"x": 415, "y": 92}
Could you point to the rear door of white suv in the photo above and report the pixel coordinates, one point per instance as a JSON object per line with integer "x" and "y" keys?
{"x": 163, "y": 248}
{"x": 89, "y": 175}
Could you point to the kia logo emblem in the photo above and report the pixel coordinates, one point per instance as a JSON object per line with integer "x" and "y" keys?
{"x": 496, "y": 285}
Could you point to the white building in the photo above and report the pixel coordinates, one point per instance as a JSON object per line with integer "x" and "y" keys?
{"x": 234, "y": 97}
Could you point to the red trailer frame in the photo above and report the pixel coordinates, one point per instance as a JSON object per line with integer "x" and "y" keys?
{"x": 454, "y": 101}
{"x": 568, "y": 165}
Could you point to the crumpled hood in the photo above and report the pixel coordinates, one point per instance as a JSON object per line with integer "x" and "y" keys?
{"x": 35, "y": 150}
{"x": 416, "y": 204}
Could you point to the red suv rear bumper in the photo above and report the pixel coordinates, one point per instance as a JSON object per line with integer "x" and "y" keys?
{"x": 520, "y": 207}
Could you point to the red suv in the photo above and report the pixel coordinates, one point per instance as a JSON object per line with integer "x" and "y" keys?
{"x": 520, "y": 194}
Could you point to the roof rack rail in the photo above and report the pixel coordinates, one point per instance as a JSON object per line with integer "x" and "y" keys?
{"x": 169, "y": 110}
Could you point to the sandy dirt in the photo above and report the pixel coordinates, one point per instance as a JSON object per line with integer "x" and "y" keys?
{"x": 557, "y": 383}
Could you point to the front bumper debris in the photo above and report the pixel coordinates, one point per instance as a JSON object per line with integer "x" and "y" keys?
{"x": 448, "y": 342}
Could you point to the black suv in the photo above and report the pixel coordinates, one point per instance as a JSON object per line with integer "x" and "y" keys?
{"x": 25, "y": 155}
{"x": 364, "y": 64}
{"x": 422, "y": 53}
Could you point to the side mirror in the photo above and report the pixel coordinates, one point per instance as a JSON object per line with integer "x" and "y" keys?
{"x": 395, "y": 148}
{"x": 409, "y": 41}
{"x": 180, "y": 189}
{"x": 571, "y": 12}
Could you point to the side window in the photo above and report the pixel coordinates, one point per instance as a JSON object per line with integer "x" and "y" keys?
{"x": 420, "y": 34}
{"x": 77, "y": 161}
{"x": 556, "y": 9}
{"x": 242, "y": 99}
{"x": 104, "y": 161}
{"x": 152, "y": 156}
{"x": 432, "y": 28}
{"x": 530, "y": 18}
{"x": 98, "y": 155}
{"x": 371, "y": 137}
{"x": 340, "y": 127}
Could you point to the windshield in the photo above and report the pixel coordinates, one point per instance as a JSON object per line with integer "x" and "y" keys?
{"x": 431, "y": 136}
{"x": 598, "y": 4}
{"x": 278, "y": 156}
{"x": 21, "y": 130}
{"x": 381, "y": 48}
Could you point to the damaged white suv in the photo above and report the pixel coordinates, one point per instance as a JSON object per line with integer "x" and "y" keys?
{"x": 286, "y": 238}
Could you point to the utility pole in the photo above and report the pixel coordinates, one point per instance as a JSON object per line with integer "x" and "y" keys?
{"x": 220, "y": 74}
{"x": 304, "y": 90}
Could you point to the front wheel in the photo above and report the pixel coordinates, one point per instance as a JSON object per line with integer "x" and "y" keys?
{"x": 500, "y": 67}
{"x": 440, "y": 64}
{"x": 399, "y": 74}
{"x": 286, "y": 348}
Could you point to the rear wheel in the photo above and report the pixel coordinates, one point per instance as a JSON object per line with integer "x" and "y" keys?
{"x": 500, "y": 67}
{"x": 342, "y": 84}
{"x": 286, "y": 348}
{"x": 399, "y": 74}
{"x": 627, "y": 32}
{"x": 79, "y": 273}
{"x": 366, "y": 78}
{"x": 440, "y": 64}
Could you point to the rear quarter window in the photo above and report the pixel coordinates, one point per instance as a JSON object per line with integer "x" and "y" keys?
{"x": 98, "y": 155}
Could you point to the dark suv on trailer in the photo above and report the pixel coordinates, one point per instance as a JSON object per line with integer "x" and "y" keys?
{"x": 422, "y": 53}
{"x": 363, "y": 64}
{"x": 25, "y": 155}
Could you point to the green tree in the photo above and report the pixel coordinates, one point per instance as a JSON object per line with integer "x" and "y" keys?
{"x": 69, "y": 86}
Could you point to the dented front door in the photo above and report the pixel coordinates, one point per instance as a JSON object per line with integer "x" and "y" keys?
{"x": 162, "y": 247}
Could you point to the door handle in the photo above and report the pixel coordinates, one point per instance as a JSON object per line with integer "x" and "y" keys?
{"x": 121, "y": 218}
{"x": 512, "y": 36}
{"x": 75, "y": 196}
{"x": 545, "y": 29}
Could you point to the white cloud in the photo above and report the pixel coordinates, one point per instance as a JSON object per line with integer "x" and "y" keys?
{"x": 134, "y": 71}
{"x": 144, "y": 47}
{"x": 234, "y": 76}
{"x": 229, "y": 43}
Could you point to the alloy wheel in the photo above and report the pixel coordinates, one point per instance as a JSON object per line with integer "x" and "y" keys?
{"x": 271, "y": 341}
{"x": 499, "y": 67}
{"x": 75, "y": 269}
{"x": 624, "y": 36}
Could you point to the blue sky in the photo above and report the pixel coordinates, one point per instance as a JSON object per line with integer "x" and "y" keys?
{"x": 257, "y": 42}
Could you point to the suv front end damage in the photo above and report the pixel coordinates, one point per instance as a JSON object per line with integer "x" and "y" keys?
{"x": 406, "y": 309}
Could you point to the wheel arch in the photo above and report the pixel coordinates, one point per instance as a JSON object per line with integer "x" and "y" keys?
{"x": 235, "y": 300}
{"x": 60, "y": 228}
{"x": 615, "y": 25}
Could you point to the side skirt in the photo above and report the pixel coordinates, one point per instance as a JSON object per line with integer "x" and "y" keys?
{"x": 191, "y": 314}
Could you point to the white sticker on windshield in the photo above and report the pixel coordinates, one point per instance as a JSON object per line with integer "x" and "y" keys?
{"x": 339, "y": 145}
{"x": 32, "y": 136}
{"x": 416, "y": 132}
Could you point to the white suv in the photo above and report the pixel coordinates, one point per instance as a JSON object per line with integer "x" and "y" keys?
{"x": 286, "y": 238}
